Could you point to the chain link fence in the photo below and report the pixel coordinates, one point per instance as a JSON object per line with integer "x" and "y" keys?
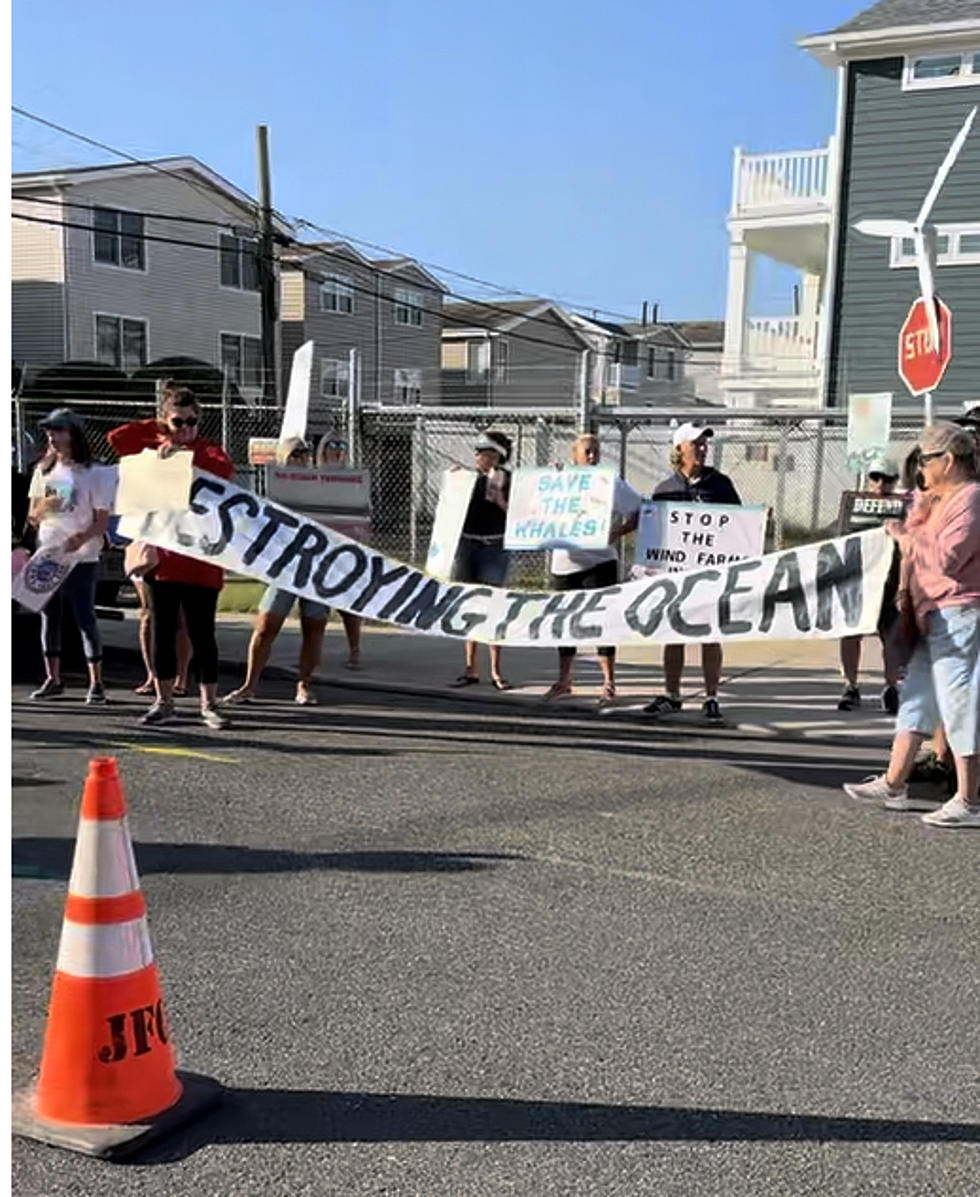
{"x": 794, "y": 463}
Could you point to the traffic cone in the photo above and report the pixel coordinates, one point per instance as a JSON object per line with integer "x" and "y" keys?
{"x": 108, "y": 1080}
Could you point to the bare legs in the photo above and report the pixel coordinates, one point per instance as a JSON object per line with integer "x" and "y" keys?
{"x": 310, "y": 651}
{"x": 352, "y": 630}
{"x": 267, "y": 628}
{"x": 711, "y": 660}
{"x": 472, "y": 669}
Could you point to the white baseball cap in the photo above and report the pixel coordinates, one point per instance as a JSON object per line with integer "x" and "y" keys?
{"x": 883, "y": 465}
{"x": 690, "y": 432}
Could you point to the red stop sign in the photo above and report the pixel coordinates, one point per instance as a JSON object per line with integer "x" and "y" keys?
{"x": 921, "y": 367}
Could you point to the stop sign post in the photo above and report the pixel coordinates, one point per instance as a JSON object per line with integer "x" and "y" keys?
{"x": 920, "y": 366}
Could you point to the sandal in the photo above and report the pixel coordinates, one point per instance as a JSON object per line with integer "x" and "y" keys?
{"x": 500, "y": 683}
{"x": 558, "y": 690}
{"x": 464, "y": 679}
{"x": 306, "y": 698}
{"x": 145, "y": 688}
{"x": 236, "y": 699}
{"x": 180, "y": 691}
{"x": 607, "y": 694}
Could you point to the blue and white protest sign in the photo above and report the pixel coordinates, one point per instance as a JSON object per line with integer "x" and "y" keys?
{"x": 454, "y": 500}
{"x": 560, "y": 509}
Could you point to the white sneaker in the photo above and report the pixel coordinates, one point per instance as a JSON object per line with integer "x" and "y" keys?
{"x": 954, "y": 813}
{"x": 876, "y": 789}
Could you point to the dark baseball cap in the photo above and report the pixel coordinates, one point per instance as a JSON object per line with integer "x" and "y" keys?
{"x": 62, "y": 417}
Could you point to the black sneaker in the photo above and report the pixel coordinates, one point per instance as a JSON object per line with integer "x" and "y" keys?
{"x": 663, "y": 704}
{"x": 712, "y": 711}
{"x": 48, "y": 689}
{"x": 161, "y": 712}
{"x": 850, "y": 700}
{"x": 889, "y": 700}
{"x": 96, "y": 696}
{"x": 930, "y": 771}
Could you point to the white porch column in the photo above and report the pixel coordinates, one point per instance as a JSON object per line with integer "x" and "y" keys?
{"x": 736, "y": 307}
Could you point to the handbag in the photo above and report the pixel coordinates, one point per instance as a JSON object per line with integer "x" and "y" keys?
{"x": 140, "y": 559}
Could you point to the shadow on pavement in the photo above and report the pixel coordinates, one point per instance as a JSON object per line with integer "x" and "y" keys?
{"x": 317, "y": 1116}
{"x": 49, "y": 858}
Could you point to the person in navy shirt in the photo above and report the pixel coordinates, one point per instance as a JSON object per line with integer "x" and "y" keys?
{"x": 692, "y": 481}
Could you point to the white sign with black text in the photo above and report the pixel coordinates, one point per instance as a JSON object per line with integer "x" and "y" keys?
{"x": 674, "y": 537}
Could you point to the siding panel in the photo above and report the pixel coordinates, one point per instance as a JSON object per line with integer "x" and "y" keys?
{"x": 897, "y": 141}
{"x": 37, "y": 271}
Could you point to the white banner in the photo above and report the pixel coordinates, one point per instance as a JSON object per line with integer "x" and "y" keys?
{"x": 674, "y": 537}
{"x": 560, "y": 509}
{"x": 824, "y": 590}
{"x": 454, "y": 500}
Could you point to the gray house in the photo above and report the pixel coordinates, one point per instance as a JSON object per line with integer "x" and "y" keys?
{"x": 128, "y": 264}
{"x": 909, "y": 72}
{"x": 388, "y": 309}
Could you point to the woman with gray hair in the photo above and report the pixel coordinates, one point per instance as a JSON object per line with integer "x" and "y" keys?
{"x": 940, "y": 545}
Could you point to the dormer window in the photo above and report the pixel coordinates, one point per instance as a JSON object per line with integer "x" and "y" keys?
{"x": 947, "y": 68}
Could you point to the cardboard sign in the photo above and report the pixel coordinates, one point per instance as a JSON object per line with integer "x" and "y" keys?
{"x": 859, "y": 511}
{"x": 335, "y": 496}
{"x": 673, "y": 537}
{"x": 298, "y": 394}
{"x": 560, "y": 509}
{"x": 149, "y": 482}
{"x": 454, "y": 499}
{"x": 262, "y": 450}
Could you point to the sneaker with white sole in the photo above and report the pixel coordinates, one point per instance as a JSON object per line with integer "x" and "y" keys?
{"x": 213, "y": 718}
{"x": 48, "y": 689}
{"x": 96, "y": 696}
{"x": 954, "y": 813}
{"x": 161, "y": 712}
{"x": 663, "y": 704}
{"x": 876, "y": 789}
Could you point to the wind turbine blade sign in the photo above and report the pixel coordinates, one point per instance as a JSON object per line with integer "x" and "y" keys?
{"x": 925, "y": 257}
{"x": 885, "y": 228}
{"x": 945, "y": 168}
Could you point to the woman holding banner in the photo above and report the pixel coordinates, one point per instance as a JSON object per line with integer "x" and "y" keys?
{"x": 481, "y": 557}
{"x": 276, "y": 605}
{"x": 593, "y": 569}
{"x": 178, "y": 583}
{"x": 940, "y": 545}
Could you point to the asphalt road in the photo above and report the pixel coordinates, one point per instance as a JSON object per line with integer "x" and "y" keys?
{"x": 440, "y": 953}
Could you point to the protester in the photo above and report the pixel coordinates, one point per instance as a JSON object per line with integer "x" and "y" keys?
{"x": 179, "y": 583}
{"x": 275, "y": 607}
{"x": 70, "y": 500}
{"x": 593, "y": 569}
{"x": 882, "y": 474}
{"x": 332, "y": 451}
{"x": 480, "y": 556}
{"x": 692, "y": 481}
{"x": 940, "y": 545}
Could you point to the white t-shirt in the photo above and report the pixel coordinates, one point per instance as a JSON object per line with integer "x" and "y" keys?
{"x": 626, "y": 503}
{"x": 82, "y": 490}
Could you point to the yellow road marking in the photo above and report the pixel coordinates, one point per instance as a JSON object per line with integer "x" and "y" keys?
{"x": 189, "y": 752}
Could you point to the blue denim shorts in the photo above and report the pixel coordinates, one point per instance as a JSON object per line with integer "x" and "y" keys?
{"x": 943, "y": 680}
{"x": 280, "y": 602}
{"x": 479, "y": 562}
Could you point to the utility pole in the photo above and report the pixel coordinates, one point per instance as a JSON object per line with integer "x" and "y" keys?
{"x": 267, "y": 271}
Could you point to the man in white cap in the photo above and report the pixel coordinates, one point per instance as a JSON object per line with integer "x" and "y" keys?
{"x": 881, "y": 477}
{"x": 692, "y": 481}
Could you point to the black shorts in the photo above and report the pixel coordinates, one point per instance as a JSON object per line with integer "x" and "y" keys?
{"x": 596, "y": 577}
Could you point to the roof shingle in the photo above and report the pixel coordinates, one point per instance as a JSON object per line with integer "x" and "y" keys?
{"x": 887, "y": 14}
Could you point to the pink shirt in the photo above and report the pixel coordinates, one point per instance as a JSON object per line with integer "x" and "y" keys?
{"x": 944, "y": 552}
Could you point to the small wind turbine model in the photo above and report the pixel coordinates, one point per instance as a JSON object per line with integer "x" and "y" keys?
{"x": 922, "y": 233}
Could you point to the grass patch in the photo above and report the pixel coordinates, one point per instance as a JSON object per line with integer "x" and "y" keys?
{"x": 240, "y": 597}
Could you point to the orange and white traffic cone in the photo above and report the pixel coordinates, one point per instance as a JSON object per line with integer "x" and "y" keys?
{"x": 108, "y": 1079}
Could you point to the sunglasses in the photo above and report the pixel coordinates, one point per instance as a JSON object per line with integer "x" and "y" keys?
{"x": 183, "y": 421}
{"x": 336, "y": 444}
{"x": 924, "y": 457}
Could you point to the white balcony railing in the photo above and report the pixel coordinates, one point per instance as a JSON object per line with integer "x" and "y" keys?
{"x": 797, "y": 181}
{"x": 774, "y": 347}
{"x": 622, "y": 378}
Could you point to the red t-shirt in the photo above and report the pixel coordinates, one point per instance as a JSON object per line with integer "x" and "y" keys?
{"x": 146, "y": 434}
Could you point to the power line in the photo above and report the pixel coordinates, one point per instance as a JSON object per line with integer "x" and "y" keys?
{"x": 66, "y": 203}
{"x": 301, "y": 222}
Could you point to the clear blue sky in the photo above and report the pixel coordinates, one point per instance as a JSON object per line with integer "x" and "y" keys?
{"x": 576, "y": 150}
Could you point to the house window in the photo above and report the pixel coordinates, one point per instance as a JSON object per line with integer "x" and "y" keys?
{"x": 500, "y": 360}
{"x": 337, "y": 294}
{"x": 477, "y": 361}
{"x": 239, "y": 262}
{"x": 956, "y": 245}
{"x": 408, "y": 386}
{"x": 627, "y": 353}
{"x": 662, "y": 365}
{"x": 120, "y": 342}
{"x": 408, "y": 307}
{"x": 952, "y": 68}
{"x": 334, "y": 377}
{"x": 117, "y": 239}
{"x": 241, "y": 358}
{"x": 756, "y": 452}
{"x": 783, "y": 464}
